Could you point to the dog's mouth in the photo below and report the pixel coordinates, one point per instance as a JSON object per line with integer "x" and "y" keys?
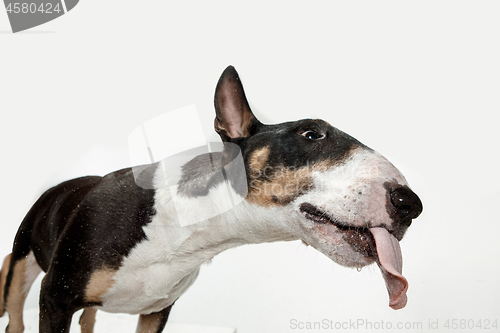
{"x": 359, "y": 238}
{"x": 374, "y": 243}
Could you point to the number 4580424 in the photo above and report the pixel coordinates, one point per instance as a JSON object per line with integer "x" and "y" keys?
{"x": 25, "y": 8}
{"x": 484, "y": 324}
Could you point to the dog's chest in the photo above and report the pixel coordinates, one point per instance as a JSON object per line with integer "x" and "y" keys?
{"x": 150, "y": 278}
{"x": 146, "y": 292}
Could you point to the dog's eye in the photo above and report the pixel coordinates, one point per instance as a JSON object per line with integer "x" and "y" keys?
{"x": 312, "y": 135}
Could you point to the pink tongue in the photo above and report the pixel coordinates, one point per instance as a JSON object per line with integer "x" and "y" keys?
{"x": 390, "y": 262}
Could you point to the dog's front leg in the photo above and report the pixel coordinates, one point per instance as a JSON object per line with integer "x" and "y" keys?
{"x": 54, "y": 317}
{"x": 153, "y": 322}
{"x": 55, "y": 314}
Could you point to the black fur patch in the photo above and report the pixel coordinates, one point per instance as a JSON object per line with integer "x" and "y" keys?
{"x": 86, "y": 224}
{"x": 290, "y": 149}
{"x": 200, "y": 175}
{"x": 208, "y": 170}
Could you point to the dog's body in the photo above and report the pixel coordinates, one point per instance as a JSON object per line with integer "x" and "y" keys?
{"x": 106, "y": 243}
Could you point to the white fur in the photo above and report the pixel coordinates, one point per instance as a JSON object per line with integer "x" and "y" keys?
{"x": 353, "y": 193}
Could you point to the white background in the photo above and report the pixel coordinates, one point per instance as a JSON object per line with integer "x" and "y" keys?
{"x": 417, "y": 81}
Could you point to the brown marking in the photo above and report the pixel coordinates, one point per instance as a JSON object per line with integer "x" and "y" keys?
{"x": 258, "y": 160}
{"x": 281, "y": 186}
{"x": 14, "y": 302}
{"x": 149, "y": 323}
{"x": 281, "y": 189}
{"x": 278, "y": 186}
{"x": 87, "y": 320}
{"x": 3, "y": 277}
{"x": 99, "y": 284}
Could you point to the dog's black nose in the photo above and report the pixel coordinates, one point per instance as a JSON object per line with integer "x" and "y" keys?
{"x": 406, "y": 202}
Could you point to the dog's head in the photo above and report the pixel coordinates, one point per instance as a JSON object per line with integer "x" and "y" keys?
{"x": 342, "y": 198}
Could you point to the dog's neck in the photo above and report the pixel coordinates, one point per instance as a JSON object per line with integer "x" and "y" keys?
{"x": 199, "y": 242}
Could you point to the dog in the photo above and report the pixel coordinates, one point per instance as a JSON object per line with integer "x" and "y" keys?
{"x": 105, "y": 243}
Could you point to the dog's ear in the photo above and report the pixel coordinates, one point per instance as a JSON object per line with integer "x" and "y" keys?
{"x": 233, "y": 117}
